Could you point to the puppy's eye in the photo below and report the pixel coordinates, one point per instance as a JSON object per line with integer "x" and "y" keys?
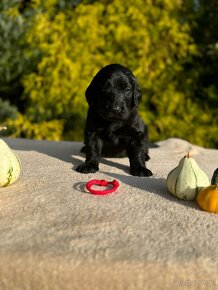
{"x": 127, "y": 90}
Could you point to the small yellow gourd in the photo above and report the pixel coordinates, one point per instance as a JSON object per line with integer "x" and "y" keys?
{"x": 207, "y": 198}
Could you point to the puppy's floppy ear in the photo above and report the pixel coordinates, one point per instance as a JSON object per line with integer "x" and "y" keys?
{"x": 137, "y": 95}
{"x": 93, "y": 89}
{"x": 90, "y": 94}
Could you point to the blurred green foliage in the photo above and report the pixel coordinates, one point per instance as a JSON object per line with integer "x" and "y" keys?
{"x": 7, "y": 111}
{"x": 50, "y": 51}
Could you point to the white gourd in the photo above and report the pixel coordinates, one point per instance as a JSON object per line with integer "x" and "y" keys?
{"x": 10, "y": 166}
{"x": 187, "y": 179}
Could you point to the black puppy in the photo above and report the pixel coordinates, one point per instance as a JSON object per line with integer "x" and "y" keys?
{"x": 113, "y": 122}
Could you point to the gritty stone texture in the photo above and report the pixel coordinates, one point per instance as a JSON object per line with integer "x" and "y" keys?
{"x": 56, "y": 235}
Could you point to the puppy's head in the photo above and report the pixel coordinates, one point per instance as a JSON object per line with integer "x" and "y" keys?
{"x": 113, "y": 92}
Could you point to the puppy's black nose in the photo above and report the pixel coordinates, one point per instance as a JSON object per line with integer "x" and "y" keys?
{"x": 116, "y": 109}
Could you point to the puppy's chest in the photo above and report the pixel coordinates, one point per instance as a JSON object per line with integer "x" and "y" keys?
{"x": 117, "y": 134}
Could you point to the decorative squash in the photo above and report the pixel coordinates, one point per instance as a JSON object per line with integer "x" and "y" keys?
{"x": 187, "y": 179}
{"x": 10, "y": 166}
{"x": 214, "y": 179}
{"x": 207, "y": 198}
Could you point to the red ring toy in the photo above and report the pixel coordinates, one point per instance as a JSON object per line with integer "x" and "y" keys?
{"x": 115, "y": 184}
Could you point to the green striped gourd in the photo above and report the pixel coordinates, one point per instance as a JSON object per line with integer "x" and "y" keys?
{"x": 214, "y": 179}
{"x": 9, "y": 165}
{"x": 187, "y": 179}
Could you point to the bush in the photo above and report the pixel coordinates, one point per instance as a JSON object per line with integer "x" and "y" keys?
{"x": 14, "y": 55}
{"x": 69, "y": 43}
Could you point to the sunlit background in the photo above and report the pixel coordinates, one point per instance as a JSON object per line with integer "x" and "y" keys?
{"x": 50, "y": 50}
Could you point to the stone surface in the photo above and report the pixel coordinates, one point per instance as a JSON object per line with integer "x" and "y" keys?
{"x": 56, "y": 235}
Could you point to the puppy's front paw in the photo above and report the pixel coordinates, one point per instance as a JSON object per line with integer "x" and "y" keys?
{"x": 140, "y": 171}
{"x": 88, "y": 167}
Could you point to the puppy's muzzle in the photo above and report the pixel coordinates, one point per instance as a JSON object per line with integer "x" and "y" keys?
{"x": 115, "y": 110}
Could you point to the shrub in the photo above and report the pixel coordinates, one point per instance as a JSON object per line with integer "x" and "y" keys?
{"x": 69, "y": 43}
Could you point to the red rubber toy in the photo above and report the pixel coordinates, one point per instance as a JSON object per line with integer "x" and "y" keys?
{"x": 115, "y": 184}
